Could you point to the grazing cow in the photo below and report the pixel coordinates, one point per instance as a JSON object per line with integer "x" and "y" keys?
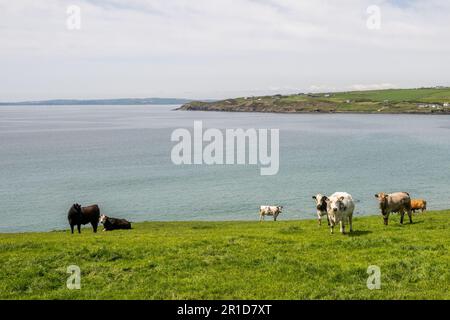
{"x": 418, "y": 204}
{"x": 321, "y": 206}
{"x": 394, "y": 202}
{"x": 269, "y": 211}
{"x": 83, "y": 215}
{"x": 340, "y": 208}
{"x": 113, "y": 223}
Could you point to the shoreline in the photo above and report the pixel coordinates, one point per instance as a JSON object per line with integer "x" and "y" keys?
{"x": 187, "y": 222}
{"x": 446, "y": 113}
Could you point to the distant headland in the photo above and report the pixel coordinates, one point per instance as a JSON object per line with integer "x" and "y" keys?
{"x": 435, "y": 100}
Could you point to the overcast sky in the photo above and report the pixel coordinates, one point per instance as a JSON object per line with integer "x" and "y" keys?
{"x": 218, "y": 48}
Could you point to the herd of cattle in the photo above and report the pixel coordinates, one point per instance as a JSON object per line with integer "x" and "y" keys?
{"x": 337, "y": 208}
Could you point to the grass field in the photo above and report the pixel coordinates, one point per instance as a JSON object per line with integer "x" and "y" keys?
{"x": 233, "y": 260}
{"x": 422, "y": 100}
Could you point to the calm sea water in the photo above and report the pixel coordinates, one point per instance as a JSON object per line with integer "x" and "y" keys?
{"x": 119, "y": 157}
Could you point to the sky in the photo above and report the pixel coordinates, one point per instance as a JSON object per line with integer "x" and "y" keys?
{"x": 219, "y": 48}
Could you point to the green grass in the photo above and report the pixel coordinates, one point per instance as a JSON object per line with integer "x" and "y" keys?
{"x": 233, "y": 260}
{"x": 375, "y": 101}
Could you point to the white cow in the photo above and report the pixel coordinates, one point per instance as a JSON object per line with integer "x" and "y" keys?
{"x": 321, "y": 206}
{"x": 269, "y": 211}
{"x": 340, "y": 207}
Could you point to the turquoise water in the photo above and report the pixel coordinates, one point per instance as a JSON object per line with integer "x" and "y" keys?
{"x": 119, "y": 157}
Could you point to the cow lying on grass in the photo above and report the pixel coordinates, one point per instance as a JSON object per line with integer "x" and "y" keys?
{"x": 394, "y": 202}
{"x": 113, "y": 223}
{"x": 269, "y": 211}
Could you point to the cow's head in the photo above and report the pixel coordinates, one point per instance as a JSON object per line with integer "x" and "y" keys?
{"x": 335, "y": 205}
{"x": 103, "y": 219}
{"x": 75, "y": 209}
{"x": 383, "y": 201}
{"x": 280, "y": 208}
{"x": 321, "y": 202}
{"x": 74, "y": 213}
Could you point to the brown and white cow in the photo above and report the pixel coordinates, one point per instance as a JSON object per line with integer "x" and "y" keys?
{"x": 114, "y": 223}
{"x": 269, "y": 211}
{"x": 394, "y": 202}
{"x": 418, "y": 204}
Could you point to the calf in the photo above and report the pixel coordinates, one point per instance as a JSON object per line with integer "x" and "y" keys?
{"x": 269, "y": 211}
{"x": 321, "y": 207}
{"x": 394, "y": 202}
{"x": 418, "y": 204}
{"x": 113, "y": 223}
{"x": 340, "y": 208}
{"x": 79, "y": 215}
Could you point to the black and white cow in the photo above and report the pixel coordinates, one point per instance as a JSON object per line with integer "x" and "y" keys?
{"x": 113, "y": 223}
{"x": 321, "y": 206}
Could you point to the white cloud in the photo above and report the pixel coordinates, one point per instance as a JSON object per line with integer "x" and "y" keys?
{"x": 377, "y": 86}
{"x": 218, "y": 48}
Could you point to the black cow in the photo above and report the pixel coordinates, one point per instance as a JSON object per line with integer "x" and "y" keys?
{"x": 114, "y": 223}
{"x": 83, "y": 215}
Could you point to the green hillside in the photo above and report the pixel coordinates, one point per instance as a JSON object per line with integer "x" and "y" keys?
{"x": 233, "y": 260}
{"x": 423, "y": 101}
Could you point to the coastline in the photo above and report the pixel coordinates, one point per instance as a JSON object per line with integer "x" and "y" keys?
{"x": 187, "y": 222}
{"x": 390, "y": 101}
{"x": 445, "y": 113}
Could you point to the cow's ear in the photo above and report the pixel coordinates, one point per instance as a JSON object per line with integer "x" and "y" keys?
{"x": 376, "y": 196}
{"x": 314, "y": 197}
{"x": 341, "y": 198}
{"x": 326, "y": 199}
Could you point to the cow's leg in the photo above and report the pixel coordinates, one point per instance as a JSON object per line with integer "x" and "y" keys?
{"x": 71, "y": 228}
{"x": 319, "y": 220}
{"x": 402, "y": 214}
{"x": 79, "y": 228}
{"x": 350, "y": 222}
{"x": 342, "y": 226}
{"x": 410, "y": 216}
{"x": 328, "y": 220}
{"x": 386, "y": 219}
{"x": 94, "y": 226}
